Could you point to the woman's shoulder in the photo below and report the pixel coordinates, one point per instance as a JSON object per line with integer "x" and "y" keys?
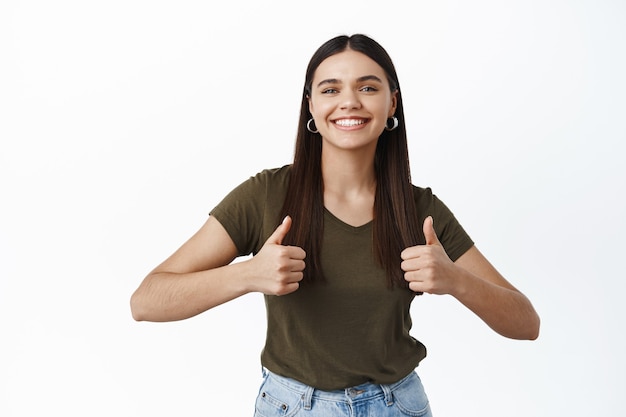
{"x": 256, "y": 187}
{"x": 427, "y": 202}
{"x": 422, "y": 194}
{"x": 267, "y": 182}
{"x": 273, "y": 175}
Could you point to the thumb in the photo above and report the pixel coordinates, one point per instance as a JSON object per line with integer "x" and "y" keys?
{"x": 280, "y": 232}
{"x": 429, "y": 232}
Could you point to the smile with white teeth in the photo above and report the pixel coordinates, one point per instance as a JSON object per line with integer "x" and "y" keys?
{"x": 349, "y": 122}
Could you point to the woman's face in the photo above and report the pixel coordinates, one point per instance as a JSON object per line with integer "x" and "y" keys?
{"x": 351, "y": 100}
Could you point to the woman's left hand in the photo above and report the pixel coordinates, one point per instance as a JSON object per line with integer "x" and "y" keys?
{"x": 474, "y": 282}
{"x": 427, "y": 267}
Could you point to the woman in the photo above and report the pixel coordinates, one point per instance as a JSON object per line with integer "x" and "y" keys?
{"x": 342, "y": 243}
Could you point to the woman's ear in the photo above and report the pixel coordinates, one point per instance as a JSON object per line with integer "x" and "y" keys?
{"x": 394, "y": 103}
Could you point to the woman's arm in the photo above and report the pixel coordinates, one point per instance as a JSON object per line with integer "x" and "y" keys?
{"x": 482, "y": 289}
{"x": 474, "y": 282}
{"x": 200, "y": 276}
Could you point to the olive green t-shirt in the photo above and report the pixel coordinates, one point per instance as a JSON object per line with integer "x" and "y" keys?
{"x": 351, "y": 328}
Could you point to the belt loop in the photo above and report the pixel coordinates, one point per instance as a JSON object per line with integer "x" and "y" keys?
{"x": 307, "y": 398}
{"x": 388, "y": 395}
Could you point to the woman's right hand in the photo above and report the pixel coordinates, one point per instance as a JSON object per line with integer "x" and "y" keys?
{"x": 200, "y": 274}
{"x": 277, "y": 268}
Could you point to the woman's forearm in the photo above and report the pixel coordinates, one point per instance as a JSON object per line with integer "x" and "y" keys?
{"x": 506, "y": 310}
{"x": 167, "y": 296}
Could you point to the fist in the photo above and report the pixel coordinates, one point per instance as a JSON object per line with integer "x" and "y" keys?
{"x": 278, "y": 267}
{"x": 427, "y": 267}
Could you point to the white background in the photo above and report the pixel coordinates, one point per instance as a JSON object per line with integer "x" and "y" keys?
{"x": 122, "y": 123}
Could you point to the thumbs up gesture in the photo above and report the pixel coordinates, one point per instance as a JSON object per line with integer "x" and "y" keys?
{"x": 278, "y": 268}
{"x": 427, "y": 267}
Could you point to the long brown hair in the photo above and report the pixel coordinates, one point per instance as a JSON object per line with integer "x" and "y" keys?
{"x": 395, "y": 224}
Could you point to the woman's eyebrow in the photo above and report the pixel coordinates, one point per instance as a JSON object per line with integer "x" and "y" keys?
{"x": 329, "y": 81}
{"x": 369, "y": 78}
{"x": 360, "y": 80}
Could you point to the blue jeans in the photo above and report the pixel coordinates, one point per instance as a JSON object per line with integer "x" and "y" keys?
{"x": 284, "y": 397}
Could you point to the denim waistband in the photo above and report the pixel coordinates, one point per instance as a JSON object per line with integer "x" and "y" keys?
{"x": 366, "y": 391}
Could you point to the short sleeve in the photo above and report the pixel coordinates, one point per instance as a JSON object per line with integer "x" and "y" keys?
{"x": 248, "y": 211}
{"x": 451, "y": 234}
{"x": 238, "y": 213}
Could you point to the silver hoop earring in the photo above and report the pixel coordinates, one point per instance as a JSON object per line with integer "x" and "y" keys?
{"x": 308, "y": 126}
{"x": 394, "y": 119}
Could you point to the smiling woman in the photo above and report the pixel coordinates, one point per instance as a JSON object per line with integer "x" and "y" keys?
{"x": 351, "y": 102}
{"x": 342, "y": 243}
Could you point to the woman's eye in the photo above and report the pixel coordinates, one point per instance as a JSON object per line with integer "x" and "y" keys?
{"x": 329, "y": 91}
{"x": 369, "y": 89}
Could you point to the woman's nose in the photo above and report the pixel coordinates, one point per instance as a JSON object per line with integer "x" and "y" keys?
{"x": 350, "y": 100}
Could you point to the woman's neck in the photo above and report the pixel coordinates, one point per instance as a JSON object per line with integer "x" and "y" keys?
{"x": 348, "y": 175}
{"x": 349, "y": 187}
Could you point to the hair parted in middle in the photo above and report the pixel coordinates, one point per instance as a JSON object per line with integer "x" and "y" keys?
{"x": 395, "y": 224}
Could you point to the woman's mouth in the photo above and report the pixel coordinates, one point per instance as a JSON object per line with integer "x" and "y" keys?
{"x": 350, "y": 122}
